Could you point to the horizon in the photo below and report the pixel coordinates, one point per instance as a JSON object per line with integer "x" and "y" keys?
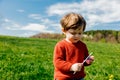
{"x": 55, "y": 33}
{"x": 29, "y": 17}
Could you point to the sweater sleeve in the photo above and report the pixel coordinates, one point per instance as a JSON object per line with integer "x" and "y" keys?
{"x": 59, "y": 59}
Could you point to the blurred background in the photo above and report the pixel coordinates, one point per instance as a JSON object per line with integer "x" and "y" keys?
{"x": 25, "y": 18}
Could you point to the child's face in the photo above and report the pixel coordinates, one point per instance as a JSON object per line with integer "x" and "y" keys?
{"x": 74, "y": 35}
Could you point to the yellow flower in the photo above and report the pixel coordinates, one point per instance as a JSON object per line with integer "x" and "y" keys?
{"x": 111, "y": 77}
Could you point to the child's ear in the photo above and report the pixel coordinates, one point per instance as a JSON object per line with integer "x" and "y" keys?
{"x": 63, "y": 30}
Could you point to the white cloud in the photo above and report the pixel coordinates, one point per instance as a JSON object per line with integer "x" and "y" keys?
{"x": 34, "y": 27}
{"x": 35, "y": 16}
{"x": 12, "y": 26}
{"x": 6, "y": 20}
{"x": 41, "y": 19}
{"x": 94, "y": 11}
{"x": 62, "y": 8}
{"x": 26, "y": 30}
{"x": 9, "y": 24}
{"x": 45, "y": 21}
{"x": 20, "y": 10}
{"x": 27, "y": 34}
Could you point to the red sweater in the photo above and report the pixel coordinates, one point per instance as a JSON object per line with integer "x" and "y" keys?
{"x": 65, "y": 55}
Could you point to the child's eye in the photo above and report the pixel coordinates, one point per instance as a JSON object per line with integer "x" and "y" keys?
{"x": 79, "y": 33}
{"x": 73, "y": 33}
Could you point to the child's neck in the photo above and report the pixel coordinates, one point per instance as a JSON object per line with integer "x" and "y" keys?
{"x": 68, "y": 40}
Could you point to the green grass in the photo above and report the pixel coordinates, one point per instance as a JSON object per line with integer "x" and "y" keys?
{"x": 31, "y": 59}
{"x": 106, "y": 65}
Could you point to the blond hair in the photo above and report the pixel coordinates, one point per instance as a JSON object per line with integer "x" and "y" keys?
{"x": 72, "y": 21}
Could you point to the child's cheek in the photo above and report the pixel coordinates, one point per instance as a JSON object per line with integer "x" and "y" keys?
{"x": 68, "y": 35}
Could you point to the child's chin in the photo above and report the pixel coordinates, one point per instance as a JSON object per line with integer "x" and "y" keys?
{"x": 75, "y": 41}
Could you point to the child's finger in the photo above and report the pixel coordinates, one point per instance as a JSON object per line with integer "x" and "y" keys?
{"x": 91, "y": 58}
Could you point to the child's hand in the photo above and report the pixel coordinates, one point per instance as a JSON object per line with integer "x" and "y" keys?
{"x": 76, "y": 67}
{"x": 90, "y": 60}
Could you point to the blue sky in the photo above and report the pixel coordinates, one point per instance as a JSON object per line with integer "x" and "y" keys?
{"x": 25, "y": 18}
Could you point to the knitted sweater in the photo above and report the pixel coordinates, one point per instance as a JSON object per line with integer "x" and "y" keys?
{"x": 65, "y": 55}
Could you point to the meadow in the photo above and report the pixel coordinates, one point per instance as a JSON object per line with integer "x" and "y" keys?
{"x": 31, "y": 59}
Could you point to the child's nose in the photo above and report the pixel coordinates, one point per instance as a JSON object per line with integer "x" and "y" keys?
{"x": 77, "y": 35}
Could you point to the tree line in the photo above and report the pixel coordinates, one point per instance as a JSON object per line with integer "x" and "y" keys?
{"x": 111, "y": 36}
